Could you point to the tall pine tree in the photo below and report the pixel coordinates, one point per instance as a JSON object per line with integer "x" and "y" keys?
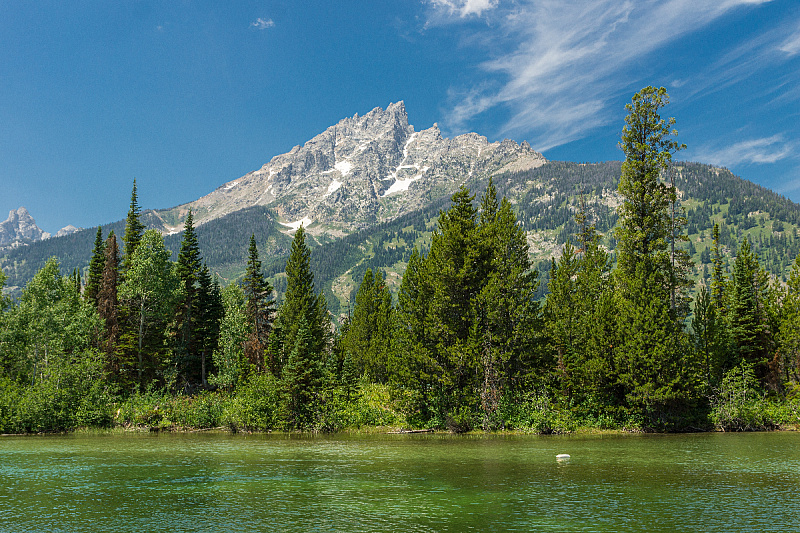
{"x": 260, "y": 311}
{"x": 96, "y": 265}
{"x": 651, "y": 362}
{"x": 133, "y": 228}
{"x": 188, "y": 269}
{"x": 300, "y": 302}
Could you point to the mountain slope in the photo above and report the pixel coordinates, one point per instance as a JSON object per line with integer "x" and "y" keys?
{"x": 362, "y": 171}
{"x": 370, "y": 188}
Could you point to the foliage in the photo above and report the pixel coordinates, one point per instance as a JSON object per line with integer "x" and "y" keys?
{"x": 72, "y": 393}
{"x": 256, "y": 406}
{"x": 133, "y": 228}
{"x": 151, "y": 290}
{"x": 740, "y": 405}
{"x": 229, "y": 356}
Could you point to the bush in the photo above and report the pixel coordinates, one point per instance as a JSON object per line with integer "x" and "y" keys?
{"x": 71, "y": 393}
{"x": 146, "y": 409}
{"x": 371, "y": 406}
{"x": 534, "y": 412}
{"x": 204, "y": 410}
{"x": 739, "y": 405}
{"x": 255, "y": 406}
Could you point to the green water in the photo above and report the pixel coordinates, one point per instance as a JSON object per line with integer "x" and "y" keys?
{"x": 221, "y": 482}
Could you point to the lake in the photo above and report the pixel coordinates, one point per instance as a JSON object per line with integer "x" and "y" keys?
{"x": 403, "y": 483}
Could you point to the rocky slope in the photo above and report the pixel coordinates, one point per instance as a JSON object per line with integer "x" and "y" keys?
{"x": 19, "y": 229}
{"x": 362, "y": 171}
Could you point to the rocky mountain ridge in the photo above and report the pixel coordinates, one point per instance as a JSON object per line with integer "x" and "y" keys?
{"x": 359, "y": 172}
{"x": 20, "y": 229}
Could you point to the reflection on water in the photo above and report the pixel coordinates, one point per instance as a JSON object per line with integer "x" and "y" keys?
{"x": 221, "y": 482}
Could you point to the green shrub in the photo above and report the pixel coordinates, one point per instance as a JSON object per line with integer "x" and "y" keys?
{"x": 204, "y": 410}
{"x": 740, "y": 405}
{"x": 71, "y": 393}
{"x": 146, "y": 409}
{"x": 256, "y": 405}
{"x": 535, "y": 412}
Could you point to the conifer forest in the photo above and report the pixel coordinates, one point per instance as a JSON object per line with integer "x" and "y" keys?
{"x": 476, "y": 337}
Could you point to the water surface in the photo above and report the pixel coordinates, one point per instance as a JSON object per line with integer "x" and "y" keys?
{"x": 222, "y": 482}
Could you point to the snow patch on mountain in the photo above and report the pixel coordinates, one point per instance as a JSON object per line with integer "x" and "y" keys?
{"x": 403, "y": 185}
{"x": 333, "y": 187}
{"x": 344, "y": 167}
{"x": 294, "y": 226}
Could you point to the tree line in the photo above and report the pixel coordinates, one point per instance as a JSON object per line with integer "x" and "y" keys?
{"x": 467, "y": 344}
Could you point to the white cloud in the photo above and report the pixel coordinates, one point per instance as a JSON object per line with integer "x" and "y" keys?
{"x": 463, "y": 8}
{"x": 262, "y": 24}
{"x": 764, "y": 150}
{"x": 557, "y": 63}
{"x": 792, "y": 45}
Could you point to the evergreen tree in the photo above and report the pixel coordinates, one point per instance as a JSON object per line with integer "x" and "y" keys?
{"x": 411, "y": 367}
{"x": 651, "y": 361}
{"x": 300, "y": 302}
{"x": 645, "y": 225}
{"x": 151, "y": 290}
{"x": 367, "y": 341}
{"x": 748, "y": 315}
{"x": 506, "y": 321}
{"x": 718, "y": 274}
{"x": 108, "y": 309}
{"x": 302, "y": 378}
{"x": 210, "y": 313}
{"x": 708, "y": 335}
{"x": 260, "y": 310}
{"x": 96, "y": 266}
{"x": 562, "y": 312}
{"x": 789, "y": 328}
{"x": 188, "y": 269}
{"x": 133, "y": 228}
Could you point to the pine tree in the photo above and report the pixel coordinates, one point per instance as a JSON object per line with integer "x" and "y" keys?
{"x": 651, "y": 361}
{"x": 747, "y": 314}
{"x": 96, "y": 266}
{"x": 302, "y": 378}
{"x": 708, "y": 335}
{"x": 209, "y": 314}
{"x": 504, "y": 333}
{"x": 108, "y": 309}
{"x": 789, "y": 329}
{"x": 367, "y": 341}
{"x": 133, "y": 228}
{"x": 645, "y": 225}
{"x": 260, "y": 310}
{"x": 300, "y": 302}
{"x": 562, "y": 311}
{"x": 188, "y": 270}
{"x": 411, "y": 367}
{"x": 718, "y": 274}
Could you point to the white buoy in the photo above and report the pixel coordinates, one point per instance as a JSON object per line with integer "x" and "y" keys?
{"x": 562, "y": 457}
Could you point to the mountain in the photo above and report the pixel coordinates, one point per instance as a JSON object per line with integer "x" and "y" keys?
{"x": 370, "y": 188}
{"x": 19, "y": 229}
{"x": 365, "y": 170}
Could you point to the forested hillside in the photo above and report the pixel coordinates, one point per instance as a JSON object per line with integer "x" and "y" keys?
{"x": 632, "y": 331}
{"x": 544, "y": 199}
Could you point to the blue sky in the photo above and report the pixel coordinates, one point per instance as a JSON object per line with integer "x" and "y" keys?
{"x": 185, "y": 95}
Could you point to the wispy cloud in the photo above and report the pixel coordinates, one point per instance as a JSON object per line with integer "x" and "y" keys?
{"x": 262, "y": 24}
{"x": 557, "y": 63}
{"x": 791, "y": 45}
{"x": 462, "y": 8}
{"x": 763, "y": 150}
